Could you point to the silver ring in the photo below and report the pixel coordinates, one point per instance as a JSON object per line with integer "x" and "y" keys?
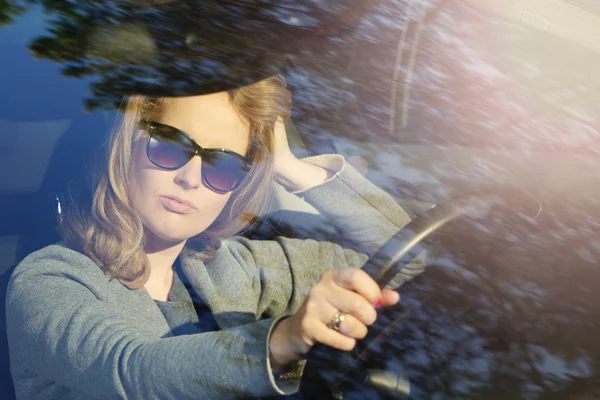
{"x": 336, "y": 321}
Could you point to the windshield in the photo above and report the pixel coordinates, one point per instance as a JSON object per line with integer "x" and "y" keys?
{"x": 284, "y": 142}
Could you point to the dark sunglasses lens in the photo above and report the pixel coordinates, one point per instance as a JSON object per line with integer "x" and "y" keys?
{"x": 222, "y": 171}
{"x": 168, "y": 149}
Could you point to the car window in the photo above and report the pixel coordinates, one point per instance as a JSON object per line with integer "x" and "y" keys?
{"x": 478, "y": 118}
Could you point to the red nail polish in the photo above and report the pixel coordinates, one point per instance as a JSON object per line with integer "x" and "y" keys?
{"x": 378, "y": 303}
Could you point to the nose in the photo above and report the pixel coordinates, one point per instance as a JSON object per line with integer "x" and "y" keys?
{"x": 189, "y": 176}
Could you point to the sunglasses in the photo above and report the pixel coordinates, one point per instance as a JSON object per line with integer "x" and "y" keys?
{"x": 169, "y": 148}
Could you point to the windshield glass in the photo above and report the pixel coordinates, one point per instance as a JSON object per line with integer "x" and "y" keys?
{"x": 241, "y": 160}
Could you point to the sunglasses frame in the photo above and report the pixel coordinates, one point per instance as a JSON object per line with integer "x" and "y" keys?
{"x": 198, "y": 151}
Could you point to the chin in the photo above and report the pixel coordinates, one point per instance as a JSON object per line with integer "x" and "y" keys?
{"x": 173, "y": 235}
{"x": 175, "y": 231}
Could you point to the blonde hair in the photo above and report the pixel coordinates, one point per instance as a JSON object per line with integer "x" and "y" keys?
{"x": 112, "y": 235}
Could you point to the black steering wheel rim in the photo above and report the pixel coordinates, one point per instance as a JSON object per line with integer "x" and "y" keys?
{"x": 390, "y": 261}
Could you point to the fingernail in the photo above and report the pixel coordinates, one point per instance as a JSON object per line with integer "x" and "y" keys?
{"x": 378, "y": 303}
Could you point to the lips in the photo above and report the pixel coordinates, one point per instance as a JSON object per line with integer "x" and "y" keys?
{"x": 177, "y": 205}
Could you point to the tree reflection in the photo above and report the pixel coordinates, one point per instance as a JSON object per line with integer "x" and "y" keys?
{"x": 446, "y": 70}
{"x": 508, "y": 308}
{"x": 451, "y": 73}
{"x": 9, "y": 11}
{"x": 178, "y": 47}
{"x": 508, "y": 311}
{"x": 417, "y": 71}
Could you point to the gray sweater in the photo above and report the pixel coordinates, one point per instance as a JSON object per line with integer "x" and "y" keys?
{"x": 75, "y": 333}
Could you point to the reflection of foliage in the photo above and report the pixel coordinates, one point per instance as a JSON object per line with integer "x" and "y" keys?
{"x": 9, "y": 10}
{"x": 408, "y": 70}
{"x": 510, "y": 311}
{"x": 467, "y": 83}
{"x": 179, "y": 47}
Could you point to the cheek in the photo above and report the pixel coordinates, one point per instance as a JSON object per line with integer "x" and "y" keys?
{"x": 144, "y": 183}
{"x": 143, "y": 194}
{"x": 210, "y": 205}
{"x": 139, "y": 163}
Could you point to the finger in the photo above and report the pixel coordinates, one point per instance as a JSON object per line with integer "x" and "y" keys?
{"x": 358, "y": 281}
{"x": 280, "y": 130}
{"x": 352, "y": 303}
{"x": 350, "y": 326}
{"x": 389, "y": 297}
{"x": 326, "y": 335}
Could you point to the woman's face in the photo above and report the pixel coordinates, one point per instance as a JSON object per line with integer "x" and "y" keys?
{"x": 212, "y": 123}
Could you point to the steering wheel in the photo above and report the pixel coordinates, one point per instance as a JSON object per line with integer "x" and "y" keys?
{"x": 329, "y": 372}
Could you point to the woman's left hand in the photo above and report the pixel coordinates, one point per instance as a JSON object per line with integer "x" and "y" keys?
{"x": 283, "y": 157}
{"x": 290, "y": 172}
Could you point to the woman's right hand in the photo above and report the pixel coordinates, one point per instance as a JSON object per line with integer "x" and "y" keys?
{"x": 350, "y": 291}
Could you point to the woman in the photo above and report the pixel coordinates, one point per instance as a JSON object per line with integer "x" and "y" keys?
{"x": 152, "y": 296}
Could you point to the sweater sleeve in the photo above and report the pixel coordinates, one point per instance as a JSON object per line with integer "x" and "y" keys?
{"x": 61, "y": 326}
{"x": 284, "y": 269}
{"x": 366, "y": 214}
